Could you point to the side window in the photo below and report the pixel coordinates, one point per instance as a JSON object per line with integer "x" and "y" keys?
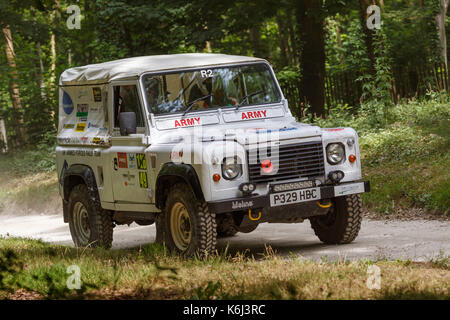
{"x": 126, "y": 99}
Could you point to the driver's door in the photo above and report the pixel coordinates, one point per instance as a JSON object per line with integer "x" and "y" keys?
{"x": 127, "y": 153}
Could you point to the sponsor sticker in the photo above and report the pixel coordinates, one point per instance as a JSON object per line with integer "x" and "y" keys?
{"x": 141, "y": 163}
{"x": 129, "y": 179}
{"x": 241, "y": 204}
{"x": 81, "y": 152}
{"x": 132, "y": 160}
{"x": 68, "y": 126}
{"x": 258, "y": 131}
{"x": 343, "y": 190}
{"x": 80, "y": 127}
{"x": 82, "y": 110}
{"x": 67, "y": 103}
{"x": 82, "y": 94}
{"x": 97, "y": 92}
{"x": 97, "y": 140}
{"x": 122, "y": 157}
{"x": 143, "y": 179}
{"x": 92, "y": 125}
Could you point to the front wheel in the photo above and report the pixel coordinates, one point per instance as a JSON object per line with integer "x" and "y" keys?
{"x": 186, "y": 226}
{"x": 343, "y": 222}
{"x": 89, "y": 224}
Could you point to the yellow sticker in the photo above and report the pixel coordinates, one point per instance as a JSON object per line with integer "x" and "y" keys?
{"x": 141, "y": 163}
{"x": 143, "y": 179}
{"x": 96, "y": 140}
{"x": 80, "y": 127}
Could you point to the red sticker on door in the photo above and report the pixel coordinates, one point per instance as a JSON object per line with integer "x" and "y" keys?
{"x": 122, "y": 157}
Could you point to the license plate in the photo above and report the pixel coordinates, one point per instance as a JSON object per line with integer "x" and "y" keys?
{"x": 294, "y": 196}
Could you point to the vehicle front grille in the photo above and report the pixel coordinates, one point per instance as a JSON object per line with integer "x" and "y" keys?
{"x": 304, "y": 160}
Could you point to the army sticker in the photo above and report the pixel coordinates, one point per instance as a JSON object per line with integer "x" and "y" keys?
{"x": 141, "y": 163}
{"x": 80, "y": 127}
{"x": 143, "y": 179}
{"x": 122, "y": 157}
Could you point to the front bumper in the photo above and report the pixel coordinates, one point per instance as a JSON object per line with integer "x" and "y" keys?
{"x": 263, "y": 201}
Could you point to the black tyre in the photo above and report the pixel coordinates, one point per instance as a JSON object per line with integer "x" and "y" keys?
{"x": 185, "y": 225}
{"x": 341, "y": 225}
{"x": 89, "y": 223}
{"x": 225, "y": 226}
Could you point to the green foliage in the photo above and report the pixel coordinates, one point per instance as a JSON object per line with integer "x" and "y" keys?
{"x": 404, "y": 157}
{"x": 10, "y": 265}
{"x": 117, "y": 29}
{"x": 33, "y": 159}
{"x": 208, "y": 292}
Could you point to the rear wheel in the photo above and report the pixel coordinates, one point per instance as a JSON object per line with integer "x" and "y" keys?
{"x": 343, "y": 222}
{"x": 89, "y": 224}
{"x": 186, "y": 226}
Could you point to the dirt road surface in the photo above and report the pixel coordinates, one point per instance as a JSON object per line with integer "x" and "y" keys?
{"x": 418, "y": 240}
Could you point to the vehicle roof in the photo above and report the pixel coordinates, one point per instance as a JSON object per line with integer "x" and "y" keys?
{"x": 132, "y": 68}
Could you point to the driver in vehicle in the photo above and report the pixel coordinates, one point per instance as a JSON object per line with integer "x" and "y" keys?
{"x": 127, "y": 99}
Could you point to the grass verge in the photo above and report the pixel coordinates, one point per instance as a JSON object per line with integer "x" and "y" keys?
{"x": 405, "y": 153}
{"x": 34, "y": 269}
{"x": 28, "y": 182}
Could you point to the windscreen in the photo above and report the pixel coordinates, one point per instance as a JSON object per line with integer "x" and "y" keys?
{"x": 210, "y": 88}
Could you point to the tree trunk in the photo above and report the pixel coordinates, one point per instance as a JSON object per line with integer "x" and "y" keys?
{"x": 368, "y": 34}
{"x": 69, "y": 57}
{"x": 310, "y": 20}
{"x": 14, "y": 87}
{"x": 339, "y": 43}
{"x": 382, "y": 5}
{"x": 440, "y": 20}
{"x": 52, "y": 62}
{"x": 255, "y": 39}
{"x": 293, "y": 40}
{"x": 3, "y": 139}
{"x": 284, "y": 52}
{"x": 40, "y": 74}
{"x": 53, "y": 17}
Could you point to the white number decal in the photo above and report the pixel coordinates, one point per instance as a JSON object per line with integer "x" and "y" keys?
{"x": 206, "y": 73}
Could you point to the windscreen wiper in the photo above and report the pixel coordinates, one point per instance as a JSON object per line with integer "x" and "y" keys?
{"x": 248, "y": 96}
{"x": 190, "y": 104}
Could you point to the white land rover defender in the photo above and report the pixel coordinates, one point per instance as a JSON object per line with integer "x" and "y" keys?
{"x": 205, "y": 146}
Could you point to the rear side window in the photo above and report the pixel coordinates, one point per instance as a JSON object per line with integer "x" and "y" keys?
{"x": 126, "y": 99}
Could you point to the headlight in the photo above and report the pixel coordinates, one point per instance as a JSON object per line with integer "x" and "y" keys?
{"x": 335, "y": 153}
{"x": 231, "y": 168}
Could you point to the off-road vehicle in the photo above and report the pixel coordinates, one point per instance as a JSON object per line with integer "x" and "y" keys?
{"x": 203, "y": 145}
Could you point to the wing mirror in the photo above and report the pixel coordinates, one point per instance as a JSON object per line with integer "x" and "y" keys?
{"x": 127, "y": 121}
